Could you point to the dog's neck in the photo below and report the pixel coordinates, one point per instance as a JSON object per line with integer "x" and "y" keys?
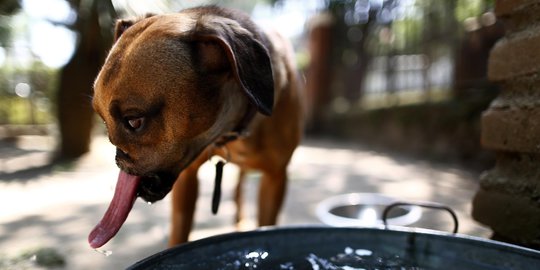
{"x": 241, "y": 129}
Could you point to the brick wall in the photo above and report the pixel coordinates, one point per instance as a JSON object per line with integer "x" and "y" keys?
{"x": 508, "y": 200}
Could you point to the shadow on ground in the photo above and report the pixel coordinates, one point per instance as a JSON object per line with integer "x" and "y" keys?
{"x": 57, "y": 206}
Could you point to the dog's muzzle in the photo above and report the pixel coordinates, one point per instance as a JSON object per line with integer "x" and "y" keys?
{"x": 155, "y": 187}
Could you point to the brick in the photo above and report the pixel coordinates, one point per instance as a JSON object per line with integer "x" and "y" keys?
{"x": 515, "y": 56}
{"x": 511, "y": 129}
{"x": 522, "y": 18}
{"x": 519, "y": 92}
{"x": 513, "y": 216}
{"x": 515, "y": 173}
{"x": 506, "y": 7}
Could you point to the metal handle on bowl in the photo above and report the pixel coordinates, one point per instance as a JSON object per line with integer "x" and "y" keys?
{"x": 430, "y": 205}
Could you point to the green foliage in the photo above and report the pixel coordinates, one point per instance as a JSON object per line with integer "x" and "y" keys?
{"x": 35, "y": 109}
{"x": 407, "y": 34}
{"x": 9, "y": 7}
{"x": 18, "y": 111}
{"x": 471, "y": 8}
{"x": 5, "y": 30}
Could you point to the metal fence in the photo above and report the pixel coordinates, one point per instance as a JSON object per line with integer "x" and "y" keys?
{"x": 394, "y": 74}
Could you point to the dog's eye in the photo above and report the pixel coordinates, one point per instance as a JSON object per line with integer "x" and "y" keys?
{"x": 135, "y": 123}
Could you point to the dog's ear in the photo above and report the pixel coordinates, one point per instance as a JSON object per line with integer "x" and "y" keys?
{"x": 123, "y": 24}
{"x": 246, "y": 56}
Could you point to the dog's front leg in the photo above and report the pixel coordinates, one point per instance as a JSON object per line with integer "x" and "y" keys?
{"x": 271, "y": 195}
{"x": 239, "y": 200}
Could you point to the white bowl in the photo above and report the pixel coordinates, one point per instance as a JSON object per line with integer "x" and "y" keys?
{"x": 364, "y": 210}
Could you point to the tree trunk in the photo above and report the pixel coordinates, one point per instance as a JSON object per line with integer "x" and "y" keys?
{"x": 75, "y": 113}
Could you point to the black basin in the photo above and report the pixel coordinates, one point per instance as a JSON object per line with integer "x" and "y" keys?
{"x": 343, "y": 248}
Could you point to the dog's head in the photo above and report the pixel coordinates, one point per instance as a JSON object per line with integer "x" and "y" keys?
{"x": 171, "y": 85}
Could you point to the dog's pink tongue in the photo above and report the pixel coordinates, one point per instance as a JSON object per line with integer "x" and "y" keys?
{"x": 124, "y": 197}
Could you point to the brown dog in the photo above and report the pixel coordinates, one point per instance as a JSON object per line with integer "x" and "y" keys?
{"x": 178, "y": 88}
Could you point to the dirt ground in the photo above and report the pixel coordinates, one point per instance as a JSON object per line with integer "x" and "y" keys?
{"x": 56, "y": 206}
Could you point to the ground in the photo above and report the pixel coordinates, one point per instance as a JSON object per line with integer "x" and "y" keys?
{"x": 55, "y": 206}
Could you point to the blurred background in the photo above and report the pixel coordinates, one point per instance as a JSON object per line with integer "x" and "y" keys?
{"x": 410, "y": 75}
{"x": 397, "y": 84}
